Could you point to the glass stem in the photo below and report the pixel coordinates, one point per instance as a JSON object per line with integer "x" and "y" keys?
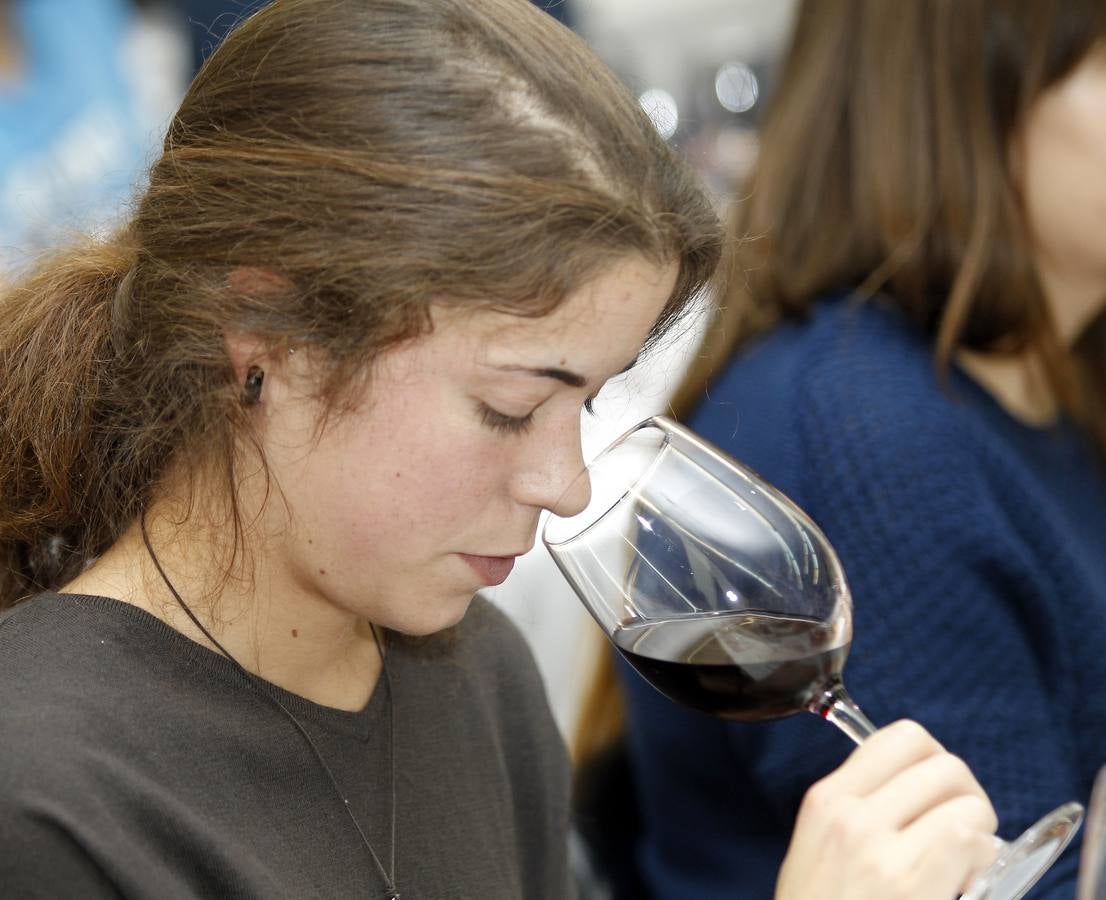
{"x": 835, "y": 705}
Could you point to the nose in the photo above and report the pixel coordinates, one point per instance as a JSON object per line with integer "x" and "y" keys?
{"x": 556, "y": 479}
{"x": 575, "y": 497}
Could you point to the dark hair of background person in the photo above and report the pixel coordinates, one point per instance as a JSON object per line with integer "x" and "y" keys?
{"x": 336, "y": 167}
{"x": 209, "y": 21}
{"x": 885, "y": 165}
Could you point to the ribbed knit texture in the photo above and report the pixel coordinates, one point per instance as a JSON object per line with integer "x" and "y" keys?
{"x": 975, "y": 548}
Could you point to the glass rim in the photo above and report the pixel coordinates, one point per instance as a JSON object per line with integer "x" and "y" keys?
{"x": 672, "y": 433}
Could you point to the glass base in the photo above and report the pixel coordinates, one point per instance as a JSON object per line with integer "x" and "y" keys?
{"x": 1021, "y": 862}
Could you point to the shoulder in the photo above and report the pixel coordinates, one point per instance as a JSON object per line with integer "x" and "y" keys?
{"x": 844, "y": 356}
{"x": 57, "y": 637}
{"x": 52, "y": 710}
{"x": 72, "y": 669}
{"x": 42, "y": 646}
{"x": 851, "y": 386}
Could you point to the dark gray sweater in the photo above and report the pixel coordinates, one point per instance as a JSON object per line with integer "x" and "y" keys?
{"x": 137, "y": 763}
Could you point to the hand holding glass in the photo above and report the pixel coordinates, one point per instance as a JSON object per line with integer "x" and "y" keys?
{"x": 727, "y": 598}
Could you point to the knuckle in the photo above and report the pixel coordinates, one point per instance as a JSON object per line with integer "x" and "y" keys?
{"x": 956, "y": 770}
{"x": 849, "y": 829}
{"x": 909, "y": 731}
{"x": 980, "y": 810}
{"x": 819, "y": 799}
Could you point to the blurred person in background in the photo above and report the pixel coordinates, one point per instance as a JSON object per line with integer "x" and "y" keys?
{"x": 262, "y": 445}
{"x": 86, "y": 88}
{"x": 913, "y": 347}
{"x": 561, "y": 10}
{"x": 209, "y": 21}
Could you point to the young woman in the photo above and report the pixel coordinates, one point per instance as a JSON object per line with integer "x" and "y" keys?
{"x": 261, "y": 448}
{"x": 914, "y": 350}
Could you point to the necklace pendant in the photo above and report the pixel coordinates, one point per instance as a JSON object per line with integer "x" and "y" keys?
{"x": 393, "y": 894}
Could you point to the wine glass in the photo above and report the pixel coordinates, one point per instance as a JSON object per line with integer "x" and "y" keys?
{"x": 727, "y": 598}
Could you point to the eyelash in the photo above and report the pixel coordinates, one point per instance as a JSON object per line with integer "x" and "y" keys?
{"x": 497, "y": 421}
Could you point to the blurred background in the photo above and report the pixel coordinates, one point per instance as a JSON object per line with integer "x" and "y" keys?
{"x": 87, "y": 88}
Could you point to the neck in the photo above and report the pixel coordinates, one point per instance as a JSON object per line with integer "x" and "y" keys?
{"x": 276, "y": 630}
{"x": 1017, "y": 382}
{"x": 1074, "y": 299}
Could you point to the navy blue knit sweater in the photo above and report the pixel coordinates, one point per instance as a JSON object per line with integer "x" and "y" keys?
{"x": 975, "y": 548}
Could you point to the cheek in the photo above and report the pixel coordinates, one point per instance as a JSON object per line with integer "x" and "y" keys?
{"x": 1066, "y": 174}
{"x": 392, "y": 492}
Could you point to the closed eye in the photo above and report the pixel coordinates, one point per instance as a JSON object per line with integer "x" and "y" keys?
{"x": 498, "y": 421}
{"x": 518, "y": 424}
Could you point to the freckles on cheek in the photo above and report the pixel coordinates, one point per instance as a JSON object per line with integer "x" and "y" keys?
{"x": 393, "y": 486}
{"x": 456, "y": 480}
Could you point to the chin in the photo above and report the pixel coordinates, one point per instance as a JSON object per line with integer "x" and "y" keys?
{"x": 425, "y": 619}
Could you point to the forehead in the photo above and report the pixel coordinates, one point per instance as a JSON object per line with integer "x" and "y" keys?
{"x": 609, "y": 317}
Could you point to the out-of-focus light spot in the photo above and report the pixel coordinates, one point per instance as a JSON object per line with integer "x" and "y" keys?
{"x": 660, "y": 107}
{"x": 731, "y": 596}
{"x": 644, "y": 523}
{"x": 736, "y": 87}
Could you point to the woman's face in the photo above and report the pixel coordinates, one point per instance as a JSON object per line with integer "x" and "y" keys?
{"x": 406, "y": 506}
{"x": 1061, "y": 163}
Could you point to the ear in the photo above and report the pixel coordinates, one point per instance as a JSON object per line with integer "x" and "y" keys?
{"x": 245, "y": 349}
{"x": 254, "y": 281}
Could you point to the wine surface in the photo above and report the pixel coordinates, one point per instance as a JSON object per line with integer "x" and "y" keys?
{"x": 745, "y": 664}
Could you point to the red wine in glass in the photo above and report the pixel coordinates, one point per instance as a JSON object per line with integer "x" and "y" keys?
{"x": 746, "y": 666}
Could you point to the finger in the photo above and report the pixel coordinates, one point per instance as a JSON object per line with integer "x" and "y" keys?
{"x": 954, "y": 843}
{"x": 922, "y": 787}
{"x": 934, "y": 859}
{"x": 833, "y": 810}
{"x": 882, "y": 756}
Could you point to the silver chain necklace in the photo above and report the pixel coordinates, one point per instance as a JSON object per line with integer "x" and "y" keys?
{"x": 387, "y": 876}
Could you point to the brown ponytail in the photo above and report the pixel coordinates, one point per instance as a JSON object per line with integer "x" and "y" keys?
{"x": 59, "y": 491}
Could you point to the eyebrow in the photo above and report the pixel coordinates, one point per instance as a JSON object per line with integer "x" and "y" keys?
{"x": 572, "y": 379}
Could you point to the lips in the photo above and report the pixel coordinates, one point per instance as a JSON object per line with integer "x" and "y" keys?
{"x": 492, "y": 570}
